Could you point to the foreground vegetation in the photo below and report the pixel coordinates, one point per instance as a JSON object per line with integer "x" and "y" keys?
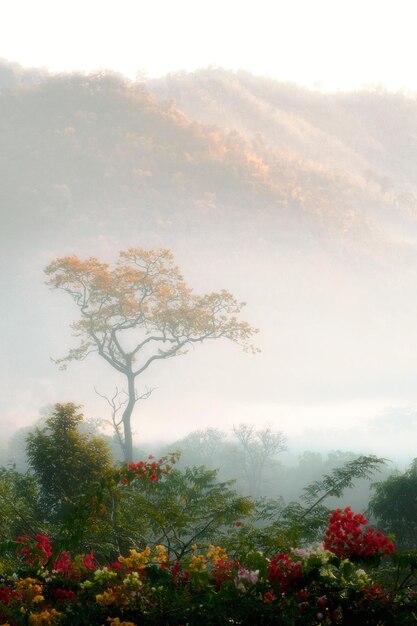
{"x": 324, "y": 584}
{"x": 87, "y": 541}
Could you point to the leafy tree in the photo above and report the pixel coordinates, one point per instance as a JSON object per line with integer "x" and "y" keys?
{"x": 394, "y": 506}
{"x": 18, "y": 496}
{"x": 65, "y": 461}
{"x": 309, "y": 517}
{"x": 139, "y": 312}
{"x": 183, "y": 508}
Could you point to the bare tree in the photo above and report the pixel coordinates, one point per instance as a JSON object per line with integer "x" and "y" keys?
{"x": 257, "y": 448}
{"x": 116, "y": 402}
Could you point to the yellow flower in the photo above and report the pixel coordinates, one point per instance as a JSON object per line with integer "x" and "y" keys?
{"x": 45, "y": 618}
{"x": 28, "y": 584}
{"x": 197, "y": 563}
{"x": 107, "y": 597}
{"x": 215, "y": 554}
{"x": 115, "y": 621}
{"x": 32, "y": 590}
{"x": 38, "y": 598}
{"x": 161, "y": 555}
{"x": 138, "y": 560}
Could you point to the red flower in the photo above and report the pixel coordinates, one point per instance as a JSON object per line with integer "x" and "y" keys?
{"x": 284, "y": 572}
{"x": 43, "y": 547}
{"x": 303, "y": 595}
{"x": 322, "y": 602}
{"x": 63, "y": 563}
{"x": 89, "y": 561}
{"x": 269, "y": 596}
{"x": 64, "y": 595}
{"x": 35, "y": 550}
{"x": 345, "y": 536}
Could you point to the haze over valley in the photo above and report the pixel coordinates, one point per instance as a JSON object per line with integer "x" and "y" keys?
{"x": 302, "y": 204}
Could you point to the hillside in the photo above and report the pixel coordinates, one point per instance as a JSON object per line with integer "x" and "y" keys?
{"x": 348, "y": 157}
{"x": 85, "y": 147}
{"x": 370, "y": 134}
{"x": 209, "y": 147}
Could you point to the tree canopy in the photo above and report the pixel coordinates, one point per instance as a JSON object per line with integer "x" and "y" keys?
{"x": 65, "y": 461}
{"x": 394, "y": 506}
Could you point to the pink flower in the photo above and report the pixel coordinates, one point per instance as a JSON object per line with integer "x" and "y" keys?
{"x": 89, "y": 561}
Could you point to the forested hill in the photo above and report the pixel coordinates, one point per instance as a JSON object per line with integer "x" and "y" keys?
{"x": 215, "y": 148}
{"x": 369, "y": 134}
{"x": 348, "y": 158}
{"x": 99, "y": 148}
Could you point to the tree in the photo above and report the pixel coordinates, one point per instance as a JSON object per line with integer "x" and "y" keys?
{"x": 184, "y": 507}
{"x": 65, "y": 461}
{"x": 257, "y": 448}
{"x": 394, "y": 506}
{"x": 139, "y": 312}
{"x": 18, "y": 496}
{"x": 202, "y": 447}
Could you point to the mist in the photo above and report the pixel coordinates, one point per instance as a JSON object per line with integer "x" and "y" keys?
{"x": 302, "y": 204}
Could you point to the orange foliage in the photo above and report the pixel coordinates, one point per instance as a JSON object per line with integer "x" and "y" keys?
{"x": 145, "y": 291}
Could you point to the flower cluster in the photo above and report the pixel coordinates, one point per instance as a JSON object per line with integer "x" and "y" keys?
{"x": 35, "y": 551}
{"x": 305, "y": 587}
{"x": 245, "y": 578}
{"x": 346, "y": 537}
{"x": 284, "y": 572}
{"x": 136, "y": 560}
{"x": 64, "y": 565}
{"x": 215, "y": 561}
{"x": 47, "y": 617}
{"x": 147, "y": 470}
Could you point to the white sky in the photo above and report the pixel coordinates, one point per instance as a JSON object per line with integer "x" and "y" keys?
{"x": 328, "y": 44}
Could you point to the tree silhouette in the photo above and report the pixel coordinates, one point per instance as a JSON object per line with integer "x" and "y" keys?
{"x": 140, "y": 312}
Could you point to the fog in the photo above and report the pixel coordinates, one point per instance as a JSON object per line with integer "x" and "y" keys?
{"x": 303, "y": 205}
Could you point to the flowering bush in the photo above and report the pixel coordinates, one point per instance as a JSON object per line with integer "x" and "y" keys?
{"x": 284, "y": 572}
{"x": 305, "y": 587}
{"x": 346, "y": 536}
{"x": 38, "y": 550}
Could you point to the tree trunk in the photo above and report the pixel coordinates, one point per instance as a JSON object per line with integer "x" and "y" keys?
{"x": 127, "y": 413}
